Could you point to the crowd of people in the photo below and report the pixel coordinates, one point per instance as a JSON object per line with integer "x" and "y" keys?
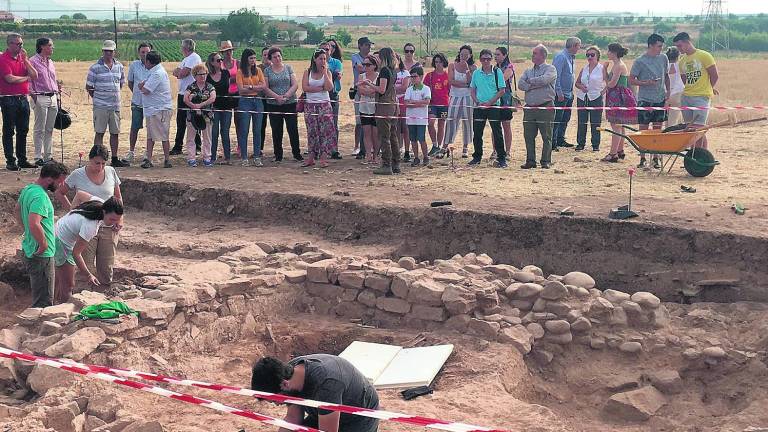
{"x": 398, "y": 104}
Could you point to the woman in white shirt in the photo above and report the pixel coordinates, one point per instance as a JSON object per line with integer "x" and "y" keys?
{"x": 676, "y": 87}
{"x": 73, "y": 233}
{"x": 318, "y": 113}
{"x": 590, "y": 88}
{"x": 101, "y": 181}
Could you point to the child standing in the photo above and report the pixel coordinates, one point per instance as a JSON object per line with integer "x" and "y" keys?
{"x": 417, "y": 98}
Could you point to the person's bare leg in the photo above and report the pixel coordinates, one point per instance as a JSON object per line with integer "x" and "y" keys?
{"x": 424, "y": 150}
{"x": 150, "y": 147}
{"x": 506, "y": 127}
{"x": 132, "y": 137}
{"x": 166, "y": 149}
{"x": 440, "y": 132}
{"x": 114, "y": 139}
{"x": 432, "y": 131}
{"x": 98, "y": 138}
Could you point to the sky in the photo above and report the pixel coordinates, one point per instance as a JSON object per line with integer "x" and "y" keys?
{"x": 401, "y": 7}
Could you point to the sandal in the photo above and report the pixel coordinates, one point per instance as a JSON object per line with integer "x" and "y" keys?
{"x": 308, "y": 164}
{"x": 621, "y": 155}
{"x": 323, "y": 164}
{"x": 610, "y": 158}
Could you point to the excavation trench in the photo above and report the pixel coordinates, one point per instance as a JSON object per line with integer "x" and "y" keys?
{"x": 629, "y": 256}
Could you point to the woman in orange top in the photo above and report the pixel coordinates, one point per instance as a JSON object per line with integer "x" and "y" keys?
{"x": 250, "y": 85}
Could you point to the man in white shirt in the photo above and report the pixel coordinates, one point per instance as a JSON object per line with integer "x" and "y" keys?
{"x": 136, "y": 74}
{"x": 156, "y": 100}
{"x": 184, "y": 74}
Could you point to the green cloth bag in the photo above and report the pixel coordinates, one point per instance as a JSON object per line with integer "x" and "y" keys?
{"x": 110, "y": 310}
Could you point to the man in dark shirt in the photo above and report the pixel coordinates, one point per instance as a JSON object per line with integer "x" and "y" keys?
{"x": 322, "y": 377}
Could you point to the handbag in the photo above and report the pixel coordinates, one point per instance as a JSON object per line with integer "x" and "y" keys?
{"x": 510, "y": 98}
{"x": 352, "y": 92}
{"x": 63, "y": 118}
{"x": 300, "y": 103}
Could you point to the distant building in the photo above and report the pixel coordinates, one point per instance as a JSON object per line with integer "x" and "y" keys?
{"x": 299, "y": 36}
{"x": 9, "y": 17}
{"x": 377, "y": 20}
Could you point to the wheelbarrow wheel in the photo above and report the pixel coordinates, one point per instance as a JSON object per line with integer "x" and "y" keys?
{"x": 699, "y": 162}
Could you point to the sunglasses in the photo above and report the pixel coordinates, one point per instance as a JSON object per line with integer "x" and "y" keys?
{"x": 410, "y": 51}
{"x": 219, "y": 60}
{"x": 367, "y": 64}
{"x": 201, "y": 74}
{"x": 591, "y": 55}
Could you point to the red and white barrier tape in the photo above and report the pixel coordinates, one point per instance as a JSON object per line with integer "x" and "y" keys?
{"x": 85, "y": 369}
{"x": 81, "y": 369}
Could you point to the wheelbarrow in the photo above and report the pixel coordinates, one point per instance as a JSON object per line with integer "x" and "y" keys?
{"x": 699, "y": 162}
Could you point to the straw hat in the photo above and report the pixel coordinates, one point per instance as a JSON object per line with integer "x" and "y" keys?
{"x": 226, "y": 46}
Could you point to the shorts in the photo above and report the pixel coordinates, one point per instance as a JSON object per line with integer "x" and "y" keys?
{"x": 137, "y": 117}
{"x": 695, "y": 117}
{"x": 439, "y": 112}
{"x": 505, "y": 114}
{"x": 63, "y": 254}
{"x": 648, "y": 117}
{"x": 159, "y": 126}
{"x": 417, "y": 133}
{"x": 368, "y": 119}
{"x": 103, "y": 118}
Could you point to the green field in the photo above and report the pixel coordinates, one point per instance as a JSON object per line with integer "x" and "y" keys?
{"x": 89, "y": 50}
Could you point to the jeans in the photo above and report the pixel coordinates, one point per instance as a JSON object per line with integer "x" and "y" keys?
{"x": 480, "y": 115}
{"x": 222, "y": 120}
{"x": 594, "y": 117}
{"x": 250, "y": 113}
{"x": 41, "y": 280}
{"x": 335, "y": 107}
{"x": 535, "y": 122}
{"x": 562, "y": 117}
{"x": 279, "y": 115}
{"x": 15, "y": 120}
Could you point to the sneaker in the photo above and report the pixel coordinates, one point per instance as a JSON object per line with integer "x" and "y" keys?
{"x": 579, "y": 147}
{"x": 192, "y": 163}
{"x": 11, "y": 167}
{"x": 493, "y": 156}
{"x": 356, "y": 151}
{"x": 464, "y": 154}
{"x": 26, "y": 164}
{"x": 166, "y": 164}
{"x": 335, "y": 155}
{"x": 383, "y": 170}
{"x": 544, "y": 165}
{"x": 175, "y": 152}
{"x": 433, "y": 150}
{"x": 396, "y": 169}
{"x": 39, "y": 162}
{"x": 407, "y": 157}
{"x": 207, "y": 164}
{"x": 595, "y": 149}
{"x": 299, "y": 158}
{"x": 415, "y": 162}
{"x": 245, "y": 162}
{"x": 501, "y": 164}
{"x": 642, "y": 163}
{"x": 257, "y": 162}
{"x": 117, "y": 163}
{"x": 129, "y": 157}
{"x": 656, "y": 163}
{"x": 565, "y": 144}
{"x": 147, "y": 164}
{"x": 474, "y": 161}
{"x": 528, "y": 165}
{"x": 426, "y": 161}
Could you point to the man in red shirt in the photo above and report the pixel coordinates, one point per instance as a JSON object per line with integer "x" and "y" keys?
{"x": 15, "y": 74}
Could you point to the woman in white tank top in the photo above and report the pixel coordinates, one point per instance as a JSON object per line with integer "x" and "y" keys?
{"x": 318, "y": 113}
{"x": 590, "y": 88}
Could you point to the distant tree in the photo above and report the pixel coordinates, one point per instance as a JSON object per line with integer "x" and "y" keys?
{"x": 170, "y": 26}
{"x": 640, "y": 20}
{"x": 664, "y": 27}
{"x": 242, "y": 25}
{"x": 344, "y": 37}
{"x": 581, "y": 21}
{"x": 396, "y": 28}
{"x": 315, "y": 35}
{"x": 79, "y": 16}
{"x": 472, "y": 24}
{"x": 272, "y": 34}
{"x": 629, "y": 20}
{"x": 65, "y": 17}
{"x": 445, "y": 17}
{"x": 657, "y": 20}
{"x": 616, "y": 21}
{"x": 588, "y": 37}
{"x": 291, "y": 36}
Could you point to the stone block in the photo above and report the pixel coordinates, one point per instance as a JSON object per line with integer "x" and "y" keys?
{"x": 43, "y": 378}
{"x": 393, "y": 304}
{"x": 517, "y": 336}
{"x": 377, "y": 282}
{"x": 354, "y": 279}
{"x": 141, "y": 332}
{"x": 367, "y": 297}
{"x": 426, "y": 292}
{"x": 635, "y": 405}
{"x": 579, "y": 279}
{"x": 38, "y": 345}
{"x": 458, "y": 323}
{"x": 554, "y": 290}
{"x": 528, "y": 291}
{"x": 484, "y": 329}
{"x": 127, "y": 322}
{"x": 295, "y": 276}
{"x": 458, "y": 299}
{"x": 151, "y": 309}
{"x": 78, "y": 345}
{"x": 429, "y": 313}
{"x": 325, "y": 290}
{"x": 646, "y": 300}
{"x": 319, "y": 271}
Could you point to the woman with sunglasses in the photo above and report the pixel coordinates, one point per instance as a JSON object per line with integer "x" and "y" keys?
{"x": 318, "y": 113}
{"x": 590, "y": 88}
{"x": 199, "y": 97}
{"x": 437, "y": 81}
{"x": 250, "y": 84}
{"x": 366, "y": 88}
{"x": 218, "y": 77}
{"x": 281, "y": 103}
{"x": 460, "y": 103}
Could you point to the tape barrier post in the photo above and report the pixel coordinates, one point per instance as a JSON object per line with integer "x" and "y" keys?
{"x": 81, "y": 369}
{"x": 365, "y": 412}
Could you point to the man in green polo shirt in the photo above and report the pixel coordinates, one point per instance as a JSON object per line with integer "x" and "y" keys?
{"x": 487, "y": 88}
{"x": 34, "y": 211}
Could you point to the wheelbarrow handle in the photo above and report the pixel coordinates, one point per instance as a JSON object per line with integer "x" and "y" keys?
{"x": 602, "y": 129}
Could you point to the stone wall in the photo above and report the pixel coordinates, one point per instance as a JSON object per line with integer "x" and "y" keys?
{"x": 497, "y": 302}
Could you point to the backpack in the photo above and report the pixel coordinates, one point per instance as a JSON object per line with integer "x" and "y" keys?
{"x": 509, "y": 99}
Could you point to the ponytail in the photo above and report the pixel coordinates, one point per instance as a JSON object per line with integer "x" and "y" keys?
{"x": 95, "y": 210}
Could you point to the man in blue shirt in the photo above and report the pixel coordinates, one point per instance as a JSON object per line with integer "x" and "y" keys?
{"x": 563, "y": 63}
{"x": 487, "y": 87}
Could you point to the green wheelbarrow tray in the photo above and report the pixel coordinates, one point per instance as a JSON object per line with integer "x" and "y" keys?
{"x": 698, "y": 162}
